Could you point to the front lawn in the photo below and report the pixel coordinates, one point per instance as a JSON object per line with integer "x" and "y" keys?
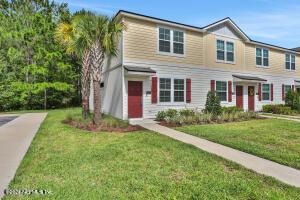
{"x": 273, "y": 139}
{"x": 77, "y": 164}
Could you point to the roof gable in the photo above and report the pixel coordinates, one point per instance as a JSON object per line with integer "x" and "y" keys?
{"x": 228, "y": 28}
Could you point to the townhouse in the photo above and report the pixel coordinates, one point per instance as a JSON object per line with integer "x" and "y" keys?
{"x": 163, "y": 64}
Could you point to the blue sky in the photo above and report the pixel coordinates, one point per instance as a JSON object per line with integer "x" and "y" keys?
{"x": 272, "y": 21}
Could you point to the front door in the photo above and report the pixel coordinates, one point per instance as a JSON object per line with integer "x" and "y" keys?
{"x": 239, "y": 96}
{"x": 251, "y": 94}
{"x": 135, "y": 99}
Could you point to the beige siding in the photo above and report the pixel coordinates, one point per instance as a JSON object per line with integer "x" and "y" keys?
{"x": 276, "y": 62}
{"x": 140, "y": 44}
{"x": 210, "y": 53}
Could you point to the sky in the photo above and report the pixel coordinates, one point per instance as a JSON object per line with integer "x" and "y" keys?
{"x": 275, "y": 22}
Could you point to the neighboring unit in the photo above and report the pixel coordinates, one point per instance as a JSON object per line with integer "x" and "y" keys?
{"x": 163, "y": 64}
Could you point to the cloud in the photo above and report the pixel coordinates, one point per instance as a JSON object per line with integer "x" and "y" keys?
{"x": 281, "y": 26}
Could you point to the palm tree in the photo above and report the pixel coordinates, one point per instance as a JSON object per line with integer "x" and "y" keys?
{"x": 102, "y": 33}
{"x": 71, "y": 35}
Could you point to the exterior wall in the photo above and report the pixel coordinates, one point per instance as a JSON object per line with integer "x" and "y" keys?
{"x": 112, "y": 94}
{"x": 140, "y": 44}
{"x": 200, "y": 78}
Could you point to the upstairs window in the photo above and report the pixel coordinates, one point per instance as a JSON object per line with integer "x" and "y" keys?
{"x": 164, "y": 40}
{"x": 171, "y": 41}
{"x": 225, "y": 51}
{"x": 266, "y": 92}
{"x": 290, "y": 61}
{"x": 221, "y": 90}
{"x": 262, "y": 57}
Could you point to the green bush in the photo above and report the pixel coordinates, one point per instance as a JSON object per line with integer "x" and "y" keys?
{"x": 160, "y": 116}
{"x": 171, "y": 113}
{"x": 213, "y": 104}
{"x": 277, "y": 109}
{"x": 292, "y": 100}
{"x": 231, "y": 109}
{"x": 186, "y": 112}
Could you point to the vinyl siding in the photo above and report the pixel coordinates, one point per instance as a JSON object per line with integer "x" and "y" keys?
{"x": 140, "y": 44}
{"x": 200, "y": 79}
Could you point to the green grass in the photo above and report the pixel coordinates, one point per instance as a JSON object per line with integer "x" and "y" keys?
{"x": 76, "y": 164}
{"x": 273, "y": 139}
{"x": 107, "y": 120}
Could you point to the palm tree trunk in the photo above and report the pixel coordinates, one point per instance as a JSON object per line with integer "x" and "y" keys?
{"x": 85, "y": 83}
{"x": 97, "y": 60}
{"x": 97, "y": 101}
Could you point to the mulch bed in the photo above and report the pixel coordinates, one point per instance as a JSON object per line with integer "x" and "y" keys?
{"x": 91, "y": 127}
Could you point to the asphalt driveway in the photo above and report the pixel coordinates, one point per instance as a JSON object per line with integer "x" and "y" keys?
{"x": 6, "y": 119}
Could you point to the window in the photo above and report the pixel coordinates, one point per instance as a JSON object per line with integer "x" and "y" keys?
{"x": 287, "y": 88}
{"x": 225, "y": 51}
{"x": 171, "y": 41}
{"x": 290, "y": 61}
{"x": 221, "y": 90}
{"x": 165, "y": 90}
{"x": 178, "y": 90}
{"x": 178, "y": 42}
{"x": 266, "y": 92}
{"x": 262, "y": 57}
{"x": 171, "y": 90}
{"x": 164, "y": 40}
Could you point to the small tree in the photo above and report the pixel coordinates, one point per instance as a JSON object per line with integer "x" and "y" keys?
{"x": 292, "y": 100}
{"x": 213, "y": 104}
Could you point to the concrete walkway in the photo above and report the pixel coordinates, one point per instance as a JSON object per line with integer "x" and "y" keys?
{"x": 283, "y": 173}
{"x": 291, "y": 118}
{"x": 15, "y": 138}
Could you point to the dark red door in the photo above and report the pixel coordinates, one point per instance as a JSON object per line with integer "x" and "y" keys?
{"x": 251, "y": 93}
{"x": 239, "y": 96}
{"x": 135, "y": 100}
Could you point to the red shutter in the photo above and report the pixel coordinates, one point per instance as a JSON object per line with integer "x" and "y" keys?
{"x": 212, "y": 85}
{"x": 272, "y": 92}
{"x": 154, "y": 90}
{"x": 259, "y": 92}
{"x": 230, "y": 91}
{"x": 188, "y": 90}
{"x": 282, "y": 92}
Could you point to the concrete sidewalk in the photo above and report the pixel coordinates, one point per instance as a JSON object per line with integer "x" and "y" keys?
{"x": 15, "y": 139}
{"x": 283, "y": 173}
{"x": 290, "y": 118}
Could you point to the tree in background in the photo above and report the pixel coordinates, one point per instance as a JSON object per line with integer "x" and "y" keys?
{"x": 72, "y": 35}
{"x": 35, "y": 72}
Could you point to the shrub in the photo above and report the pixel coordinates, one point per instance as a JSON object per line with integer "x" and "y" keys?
{"x": 231, "y": 109}
{"x": 160, "y": 116}
{"x": 186, "y": 112}
{"x": 213, "y": 104}
{"x": 171, "y": 113}
{"x": 292, "y": 100}
{"x": 278, "y": 109}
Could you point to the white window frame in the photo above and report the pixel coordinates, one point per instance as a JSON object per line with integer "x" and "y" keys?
{"x": 225, "y": 50}
{"x": 171, "y": 53}
{"x": 262, "y": 92}
{"x": 172, "y": 102}
{"x": 222, "y": 91}
{"x": 262, "y": 57}
{"x": 290, "y": 62}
